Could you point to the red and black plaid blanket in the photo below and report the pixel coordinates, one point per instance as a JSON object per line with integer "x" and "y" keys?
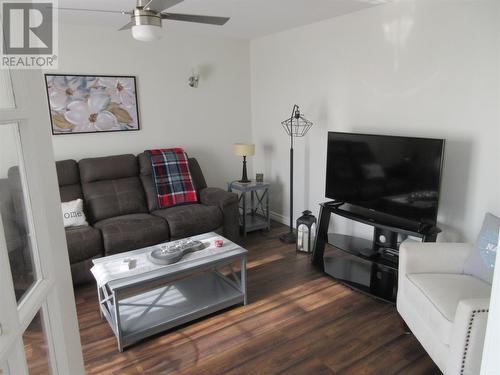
{"x": 172, "y": 178}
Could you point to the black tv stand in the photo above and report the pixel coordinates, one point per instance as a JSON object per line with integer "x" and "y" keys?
{"x": 367, "y": 265}
{"x": 334, "y": 203}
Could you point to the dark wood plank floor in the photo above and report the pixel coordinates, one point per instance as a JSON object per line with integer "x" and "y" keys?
{"x": 298, "y": 321}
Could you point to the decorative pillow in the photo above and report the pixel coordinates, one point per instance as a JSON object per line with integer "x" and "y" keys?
{"x": 481, "y": 262}
{"x": 73, "y": 214}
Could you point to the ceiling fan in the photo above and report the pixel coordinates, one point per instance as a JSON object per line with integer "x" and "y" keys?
{"x": 146, "y": 18}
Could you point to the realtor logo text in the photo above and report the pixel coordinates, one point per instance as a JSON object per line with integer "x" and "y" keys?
{"x": 29, "y": 35}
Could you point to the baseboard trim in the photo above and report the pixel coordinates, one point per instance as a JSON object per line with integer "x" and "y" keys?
{"x": 279, "y": 217}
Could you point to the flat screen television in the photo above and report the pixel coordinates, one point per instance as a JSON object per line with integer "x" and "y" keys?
{"x": 398, "y": 176}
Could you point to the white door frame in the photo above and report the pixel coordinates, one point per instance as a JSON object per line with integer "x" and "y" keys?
{"x": 490, "y": 364}
{"x": 54, "y": 292}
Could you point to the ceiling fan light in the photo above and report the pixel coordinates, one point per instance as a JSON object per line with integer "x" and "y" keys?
{"x": 146, "y": 33}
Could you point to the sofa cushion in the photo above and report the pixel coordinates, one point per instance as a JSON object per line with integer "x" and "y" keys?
{"x": 197, "y": 174}
{"x": 108, "y": 168}
{"x": 70, "y": 192}
{"x": 146, "y": 173}
{"x": 67, "y": 172}
{"x": 68, "y": 177}
{"x": 150, "y": 190}
{"x": 83, "y": 243}
{"x": 130, "y": 232}
{"x": 435, "y": 298}
{"x": 111, "y": 187}
{"x": 80, "y": 272}
{"x": 191, "y": 219}
{"x": 111, "y": 198}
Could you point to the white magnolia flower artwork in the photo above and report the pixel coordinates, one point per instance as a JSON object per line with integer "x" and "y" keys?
{"x": 92, "y": 104}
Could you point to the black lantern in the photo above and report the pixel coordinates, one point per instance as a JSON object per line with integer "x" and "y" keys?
{"x": 306, "y": 232}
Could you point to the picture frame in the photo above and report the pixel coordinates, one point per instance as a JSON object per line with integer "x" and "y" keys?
{"x": 92, "y": 103}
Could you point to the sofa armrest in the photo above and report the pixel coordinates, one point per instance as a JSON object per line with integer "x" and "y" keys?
{"x": 432, "y": 257}
{"x": 467, "y": 340}
{"x": 228, "y": 203}
{"x": 217, "y": 197}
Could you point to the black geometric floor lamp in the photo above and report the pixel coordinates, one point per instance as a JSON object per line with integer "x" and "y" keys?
{"x": 295, "y": 126}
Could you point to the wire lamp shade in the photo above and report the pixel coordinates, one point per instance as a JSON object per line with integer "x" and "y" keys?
{"x": 297, "y": 125}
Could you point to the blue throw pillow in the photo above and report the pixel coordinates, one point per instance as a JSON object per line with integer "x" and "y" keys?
{"x": 481, "y": 262}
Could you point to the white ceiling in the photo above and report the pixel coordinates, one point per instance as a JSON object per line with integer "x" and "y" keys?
{"x": 249, "y": 18}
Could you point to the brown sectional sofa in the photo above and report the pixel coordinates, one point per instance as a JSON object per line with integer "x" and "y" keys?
{"x": 120, "y": 205}
{"x": 116, "y": 204}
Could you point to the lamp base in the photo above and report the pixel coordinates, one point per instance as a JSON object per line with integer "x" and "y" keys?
{"x": 244, "y": 176}
{"x": 288, "y": 237}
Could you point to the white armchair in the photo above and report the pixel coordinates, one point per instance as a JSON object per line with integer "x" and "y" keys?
{"x": 445, "y": 309}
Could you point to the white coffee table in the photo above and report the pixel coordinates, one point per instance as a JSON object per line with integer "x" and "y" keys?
{"x": 149, "y": 298}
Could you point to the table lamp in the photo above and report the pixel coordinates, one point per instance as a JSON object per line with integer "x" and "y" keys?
{"x": 244, "y": 149}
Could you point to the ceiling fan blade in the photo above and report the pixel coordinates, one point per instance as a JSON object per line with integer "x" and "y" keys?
{"x": 211, "y": 20}
{"x": 127, "y": 26}
{"x": 95, "y": 10}
{"x": 160, "y": 5}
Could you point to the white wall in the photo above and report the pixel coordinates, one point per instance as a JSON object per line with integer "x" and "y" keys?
{"x": 205, "y": 121}
{"x": 424, "y": 68}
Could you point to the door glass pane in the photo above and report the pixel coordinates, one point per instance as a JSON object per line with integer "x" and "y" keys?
{"x": 36, "y": 347}
{"x": 14, "y": 212}
{"x": 6, "y": 92}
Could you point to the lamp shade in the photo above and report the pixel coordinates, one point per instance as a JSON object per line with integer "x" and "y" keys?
{"x": 243, "y": 149}
{"x": 297, "y": 125}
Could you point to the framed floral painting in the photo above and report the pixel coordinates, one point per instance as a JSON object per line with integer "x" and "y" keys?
{"x": 92, "y": 103}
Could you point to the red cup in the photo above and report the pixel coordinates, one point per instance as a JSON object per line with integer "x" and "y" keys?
{"x": 218, "y": 243}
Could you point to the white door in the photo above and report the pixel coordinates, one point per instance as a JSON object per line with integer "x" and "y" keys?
{"x": 491, "y": 360}
{"x": 38, "y": 323}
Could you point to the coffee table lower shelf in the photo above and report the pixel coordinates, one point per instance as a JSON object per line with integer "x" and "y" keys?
{"x": 165, "y": 307}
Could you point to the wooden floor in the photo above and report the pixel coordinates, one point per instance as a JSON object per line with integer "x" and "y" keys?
{"x": 298, "y": 321}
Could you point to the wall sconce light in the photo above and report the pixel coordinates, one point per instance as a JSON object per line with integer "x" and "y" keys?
{"x": 193, "y": 80}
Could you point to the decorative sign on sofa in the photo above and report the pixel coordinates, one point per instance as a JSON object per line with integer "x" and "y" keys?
{"x": 92, "y": 103}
